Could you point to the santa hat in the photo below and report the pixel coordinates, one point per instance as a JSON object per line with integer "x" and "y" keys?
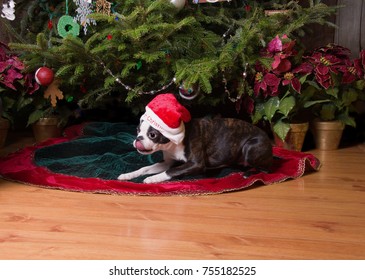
{"x": 167, "y": 115}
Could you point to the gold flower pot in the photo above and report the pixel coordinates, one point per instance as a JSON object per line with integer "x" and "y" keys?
{"x": 46, "y": 128}
{"x": 295, "y": 137}
{"x": 4, "y": 127}
{"x": 327, "y": 134}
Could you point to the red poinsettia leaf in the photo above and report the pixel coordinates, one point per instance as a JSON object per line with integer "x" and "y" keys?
{"x": 271, "y": 79}
{"x": 16, "y": 63}
{"x": 304, "y": 68}
{"x": 285, "y": 82}
{"x": 296, "y": 85}
{"x": 248, "y": 104}
{"x": 30, "y": 84}
{"x": 275, "y": 45}
{"x": 284, "y": 66}
{"x": 276, "y": 62}
{"x": 3, "y": 66}
{"x": 288, "y": 47}
{"x": 324, "y": 81}
{"x": 322, "y": 69}
{"x": 348, "y": 78}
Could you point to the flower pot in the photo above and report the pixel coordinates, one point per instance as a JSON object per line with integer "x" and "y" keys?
{"x": 4, "y": 127}
{"x": 46, "y": 128}
{"x": 295, "y": 137}
{"x": 327, "y": 134}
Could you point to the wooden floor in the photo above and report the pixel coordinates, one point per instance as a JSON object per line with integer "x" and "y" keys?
{"x": 318, "y": 216}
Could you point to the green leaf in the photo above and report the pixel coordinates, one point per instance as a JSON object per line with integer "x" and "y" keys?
{"x": 328, "y": 112}
{"x": 314, "y": 85}
{"x": 311, "y": 103}
{"x": 349, "y": 96}
{"x": 23, "y": 102}
{"x": 259, "y": 113}
{"x": 286, "y": 105}
{"x": 347, "y": 120}
{"x": 35, "y": 116}
{"x": 360, "y": 84}
{"x": 303, "y": 78}
{"x": 271, "y": 106}
{"x": 333, "y": 91}
{"x": 281, "y": 129}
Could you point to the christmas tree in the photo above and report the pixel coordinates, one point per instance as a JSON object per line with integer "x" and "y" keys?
{"x": 129, "y": 50}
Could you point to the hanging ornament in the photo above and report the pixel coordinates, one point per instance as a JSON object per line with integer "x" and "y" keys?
{"x": 84, "y": 9}
{"x": 103, "y": 7}
{"x": 179, "y": 4}
{"x": 50, "y": 24}
{"x": 139, "y": 64}
{"x": 188, "y": 93}
{"x": 8, "y": 10}
{"x": 67, "y": 26}
{"x": 44, "y": 76}
{"x": 53, "y": 92}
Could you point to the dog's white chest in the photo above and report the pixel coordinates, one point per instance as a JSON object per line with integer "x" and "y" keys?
{"x": 176, "y": 153}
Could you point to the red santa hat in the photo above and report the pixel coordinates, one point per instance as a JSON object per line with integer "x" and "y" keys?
{"x": 167, "y": 115}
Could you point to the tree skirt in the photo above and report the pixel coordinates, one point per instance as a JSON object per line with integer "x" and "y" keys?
{"x": 89, "y": 158}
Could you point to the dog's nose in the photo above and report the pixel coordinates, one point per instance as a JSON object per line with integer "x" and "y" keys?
{"x": 139, "y": 138}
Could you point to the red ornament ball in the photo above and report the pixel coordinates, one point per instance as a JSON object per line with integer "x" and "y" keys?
{"x": 44, "y": 76}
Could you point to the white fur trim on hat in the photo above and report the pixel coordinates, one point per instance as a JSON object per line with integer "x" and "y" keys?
{"x": 175, "y": 135}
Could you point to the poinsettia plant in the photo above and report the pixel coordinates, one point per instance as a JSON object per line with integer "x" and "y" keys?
{"x": 336, "y": 82}
{"x": 277, "y": 86}
{"x": 20, "y": 94}
{"x": 14, "y": 83}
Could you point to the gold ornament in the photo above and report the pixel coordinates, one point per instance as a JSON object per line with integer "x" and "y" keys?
{"x": 54, "y": 92}
{"x": 103, "y": 7}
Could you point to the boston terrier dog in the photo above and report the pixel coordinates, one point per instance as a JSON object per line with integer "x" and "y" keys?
{"x": 192, "y": 146}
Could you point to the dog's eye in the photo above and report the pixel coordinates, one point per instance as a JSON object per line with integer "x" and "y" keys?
{"x": 152, "y": 135}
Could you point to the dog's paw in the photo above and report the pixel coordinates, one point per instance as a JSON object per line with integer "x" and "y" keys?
{"x": 157, "y": 178}
{"x": 126, "y": 176}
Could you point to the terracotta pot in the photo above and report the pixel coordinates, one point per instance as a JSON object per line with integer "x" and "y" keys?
{"x": 46, "y": 128}
{"x": 295, "y": 137}
{"x": 4, "y": 127}
{"x": 327, "y": 134}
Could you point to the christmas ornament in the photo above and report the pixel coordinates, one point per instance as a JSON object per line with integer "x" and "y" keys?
{"x": 188, "y": 93}
{"x": 103, "y": 7}
{"x": 8, "y": 10}
{"x": 84, "y": 9}
{"x": 67, "y": 26}
{"x": 50, "y": 24}
{"x": 139, "y": 64}
{"x": 44, "y": 76}
{"x": 53, "y": 92}
{"x": 179, "y": 4}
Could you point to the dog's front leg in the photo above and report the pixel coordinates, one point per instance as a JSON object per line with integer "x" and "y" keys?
{"x": 151, "y": 169}
{"x": 188, "y": 168}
